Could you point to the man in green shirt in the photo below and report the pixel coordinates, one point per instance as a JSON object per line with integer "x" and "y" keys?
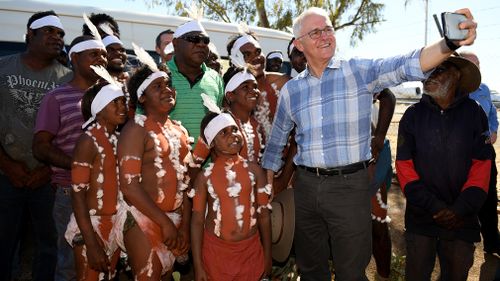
{"x": 191, "y": 77}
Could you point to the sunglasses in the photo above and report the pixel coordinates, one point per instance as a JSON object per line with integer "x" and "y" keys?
{"x": 196, "y": 39}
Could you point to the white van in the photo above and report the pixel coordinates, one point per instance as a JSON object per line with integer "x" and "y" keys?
{"x": 140, "y": 28}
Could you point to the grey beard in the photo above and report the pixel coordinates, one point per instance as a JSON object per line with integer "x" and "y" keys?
{"x": 441, "y": 92}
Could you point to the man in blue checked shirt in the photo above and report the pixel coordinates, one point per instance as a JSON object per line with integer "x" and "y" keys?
{"x": 488, "y": 214}
{"x": 330, "y": 105}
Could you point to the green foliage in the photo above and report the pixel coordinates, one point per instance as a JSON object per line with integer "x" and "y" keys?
{"x": 359, "y": 15}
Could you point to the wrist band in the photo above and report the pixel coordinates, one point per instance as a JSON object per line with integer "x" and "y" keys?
{"x": 450, "y": 44}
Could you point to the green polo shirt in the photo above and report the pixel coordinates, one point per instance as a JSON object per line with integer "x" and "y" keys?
{"x": 189, "y": 108}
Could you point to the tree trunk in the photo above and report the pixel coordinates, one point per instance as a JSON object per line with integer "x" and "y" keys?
{"x": 261, "y": 10}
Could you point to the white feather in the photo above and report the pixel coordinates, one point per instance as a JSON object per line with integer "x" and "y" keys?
{"x": 144, "y": 57}
{"x": 106, "y": 28}
{"x": 104, "y": 74}
{"x": 92, "y": 27}
{"x": 209, "y": 103}
{"x": 238, "y": 60}
{"x": 243, "y": 28}
{"x": 194, "y": 12}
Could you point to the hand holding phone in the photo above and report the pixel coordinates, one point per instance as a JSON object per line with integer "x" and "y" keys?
{"x": 450, "y": 26}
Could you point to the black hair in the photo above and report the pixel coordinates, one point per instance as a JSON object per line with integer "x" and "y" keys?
{"x": 233, "y": 39}
{"x": 137, "y": 78}
{"x": 36, "y": 16}
{"x": 204, "y": 122}
{"x": 97, "y": 19}
{"x": 158, "y": 38}
{"x": 89, "y": 97}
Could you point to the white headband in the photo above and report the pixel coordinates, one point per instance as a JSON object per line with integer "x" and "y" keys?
{"x": 86, "y": 45}
{"x": 242, "y": 41}
{"x": 190, "y": 26}
{"x": 220, "y": 122}
{"x": 237, "y": 79}
{"x": 111, "y": 39}
{"x": 275, "y": 55}
{"x": 147, "y": 82}
{"x": 168, "y": 49}
{"x": 290, "y": 48}
{"x": 107, "y": 94}
{"x": 47, "y": 21}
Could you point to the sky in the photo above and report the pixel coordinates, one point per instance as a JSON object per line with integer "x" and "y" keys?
{"x": 402, "y": 31}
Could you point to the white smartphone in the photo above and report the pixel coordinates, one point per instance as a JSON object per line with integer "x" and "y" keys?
{"x": 450, "y": 26}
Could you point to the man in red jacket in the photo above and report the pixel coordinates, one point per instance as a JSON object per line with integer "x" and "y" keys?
{"x": 443, "y": 165}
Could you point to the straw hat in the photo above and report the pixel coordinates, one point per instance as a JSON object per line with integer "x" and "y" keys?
{"x": 282, "y": 224}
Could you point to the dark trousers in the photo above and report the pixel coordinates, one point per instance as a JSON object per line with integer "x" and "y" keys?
{"x": 488, "y": 216}
{"x": 455, "y": 257}
{"x": 38, "y": 203}
{"x": 335, "y": 210}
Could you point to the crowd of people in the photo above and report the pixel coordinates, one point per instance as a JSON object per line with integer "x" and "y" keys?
{"x": 179, "y": 160}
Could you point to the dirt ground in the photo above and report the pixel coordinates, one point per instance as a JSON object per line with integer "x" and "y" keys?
{"x": 485, "y": 266}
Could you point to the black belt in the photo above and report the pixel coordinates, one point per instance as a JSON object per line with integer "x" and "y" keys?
{"x": 341, "y": 170}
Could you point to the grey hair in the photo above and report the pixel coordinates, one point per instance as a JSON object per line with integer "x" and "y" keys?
{"x": 297, "y": 22}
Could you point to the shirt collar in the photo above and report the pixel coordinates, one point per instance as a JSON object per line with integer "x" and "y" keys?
{"x": 333, "y": 64}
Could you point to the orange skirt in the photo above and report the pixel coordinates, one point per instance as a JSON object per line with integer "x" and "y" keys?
{"x": 225, "y": 260}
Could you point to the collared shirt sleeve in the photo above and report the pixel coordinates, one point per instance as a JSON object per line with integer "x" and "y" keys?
{"x": 282, "y": 126}
{"x": 387, "y": 72}
{"x": 492, "y": 113}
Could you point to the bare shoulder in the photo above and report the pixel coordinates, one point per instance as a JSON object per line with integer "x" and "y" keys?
{"x": 277, "y": 78}
{"x": 130, "y": 129}
{"x": 85, "y": 148}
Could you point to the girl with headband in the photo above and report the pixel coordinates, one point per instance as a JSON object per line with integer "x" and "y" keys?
{"x": 231, "y": 227}
{"x": 153, "y": 155}
{"x": 242, "y": 95}
{"x": 93, "y": 230}
{"x": 245, "y": 47}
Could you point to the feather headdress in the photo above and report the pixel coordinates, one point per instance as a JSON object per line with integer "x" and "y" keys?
{"x": 106, "y": 28}
{"x": 92, "y": 27}
{"x": 104, "y": 74}
{"x": 209, "y": 103}
{"x": 195, "y": 12}
{"x": 144, "y": 57}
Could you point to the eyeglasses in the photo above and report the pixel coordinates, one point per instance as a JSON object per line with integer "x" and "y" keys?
{"x": 316, "y": 33}
{"x": 196, "y": 39}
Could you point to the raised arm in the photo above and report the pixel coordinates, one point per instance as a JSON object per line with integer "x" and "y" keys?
{"x": 436, "y": 53}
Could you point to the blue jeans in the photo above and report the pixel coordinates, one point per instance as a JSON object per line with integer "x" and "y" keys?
{"x": 455, "y": 257}
{"x": 38, "y": 203}
{"x": 335, "y": 211}
{"x": 65, "y": 269}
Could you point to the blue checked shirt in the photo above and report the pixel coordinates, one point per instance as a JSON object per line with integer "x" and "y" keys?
{"x": 332, "y": 114}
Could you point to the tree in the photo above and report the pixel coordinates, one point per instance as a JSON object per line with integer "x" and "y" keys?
{"x": 360, "y": 15}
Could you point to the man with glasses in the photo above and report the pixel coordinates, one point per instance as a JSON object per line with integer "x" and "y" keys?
{"x": 191, "y": 77}
{"x": 329, "y": 103}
